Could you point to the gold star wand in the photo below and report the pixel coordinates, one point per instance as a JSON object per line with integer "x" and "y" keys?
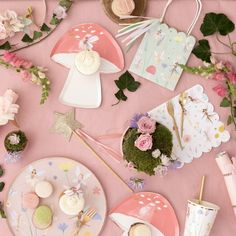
{"x": 66, "y": 124}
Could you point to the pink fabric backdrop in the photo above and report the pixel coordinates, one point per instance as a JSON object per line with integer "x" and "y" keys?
{"x": 36, "y": 120}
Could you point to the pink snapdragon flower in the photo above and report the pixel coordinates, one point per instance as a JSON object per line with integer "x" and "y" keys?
{"x": 220, "y": 90}
{"x": 232, "y": 77}
{"x": 219, "y": 76}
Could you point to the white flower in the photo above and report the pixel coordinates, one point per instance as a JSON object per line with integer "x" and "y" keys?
{"x": 3, "y": 31}
{"x": 41, "y": 75}
{"x": 165, "y": 160}
{"x": 8, "y": 108}
{"x": 14, "y": 139}
{"x": 9, "y": 24}
{"x": 161, "y": 170}
{"x": 156, "y": 153}
{"x": 60, "y": 12}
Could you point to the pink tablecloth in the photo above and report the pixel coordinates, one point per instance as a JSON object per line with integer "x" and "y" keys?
{"x": 36, "y": 120}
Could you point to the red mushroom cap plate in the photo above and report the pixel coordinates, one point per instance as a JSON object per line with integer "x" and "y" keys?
{"x": 149, "y": 208}
{"x": 85, "y": 90}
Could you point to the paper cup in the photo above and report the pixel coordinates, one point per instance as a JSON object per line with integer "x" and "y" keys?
{"x": 200, "y": 218}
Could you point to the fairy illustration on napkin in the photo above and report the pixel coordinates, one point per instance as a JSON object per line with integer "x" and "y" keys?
{"x": 162, "y": 49}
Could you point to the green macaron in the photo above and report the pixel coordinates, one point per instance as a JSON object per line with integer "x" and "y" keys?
{"x": 42, "y": 217}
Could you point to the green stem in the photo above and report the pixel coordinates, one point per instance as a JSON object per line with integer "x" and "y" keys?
{"x": 116, "y": 103}
{"x": 232, "y": 110}
{"x": 223, "y": 43}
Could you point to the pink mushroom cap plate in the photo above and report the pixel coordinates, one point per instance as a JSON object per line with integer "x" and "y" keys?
{"x": 81, "y": 90}
{"x": 60, "y": 172}
{"x": 149, "y": 208}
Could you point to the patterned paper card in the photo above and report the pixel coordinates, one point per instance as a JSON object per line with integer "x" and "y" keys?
{"x": 202, "y": 128}
{"x": 159, "y": 52}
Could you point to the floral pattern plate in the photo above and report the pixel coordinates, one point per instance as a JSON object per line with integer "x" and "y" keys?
{"x": 61, "y": 172}
{"x": 202, "y": 129}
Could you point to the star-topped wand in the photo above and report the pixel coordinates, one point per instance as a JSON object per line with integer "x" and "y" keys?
{"x": 66, "y": 124}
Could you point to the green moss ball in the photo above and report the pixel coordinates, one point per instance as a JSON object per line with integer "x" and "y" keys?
{"x": 144, "y": 161}
{"x": 16, "y": 147}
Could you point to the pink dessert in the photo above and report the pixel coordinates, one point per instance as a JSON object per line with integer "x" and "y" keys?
{"x": 122, "y": 7}
{"x": 30, "y": 200}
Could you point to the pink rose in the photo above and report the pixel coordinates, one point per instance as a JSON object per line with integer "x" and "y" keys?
{"x": 220, "y": 90}
{"x": 146, "y": 125}
{"x": 232, "y": 77}
{"x": 143, "y": 142}
{"x": 220, "y": 76}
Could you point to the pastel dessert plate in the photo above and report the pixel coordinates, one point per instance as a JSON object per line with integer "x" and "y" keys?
{"x": 25, "y": 214}
{"x": 82, "y": 90}
{"x": 147, "y": 208}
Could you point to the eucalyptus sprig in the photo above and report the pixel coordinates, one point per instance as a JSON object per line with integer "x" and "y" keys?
{"x": 2, "y": 185}
{"x": 41, "y": 33}
{"x": 125, "y": 81}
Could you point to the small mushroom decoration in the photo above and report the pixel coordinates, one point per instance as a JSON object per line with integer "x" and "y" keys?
{"x": 87, "y": 50}
{"x": 146, "y": 214}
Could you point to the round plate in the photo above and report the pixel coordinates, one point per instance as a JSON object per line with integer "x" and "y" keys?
{"x": 140, "y": 7}
{"x": 61, "y": 172}
{"x": 150, "y": 208}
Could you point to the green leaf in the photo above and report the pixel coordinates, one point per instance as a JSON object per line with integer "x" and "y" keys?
{"x": 45, "y": 28}
{"x": 26, "y": 39}
{"x": 65, "y": 3}
{"x": 203, "y": 50}
{"x": 225, "y": 102}
{"x": 230, "y": 120}
{"x": 126, "y": 81}
{"x": 120, "y": 84}
{"x": 121, "y": 96}
{"x": 5, "y": 46}
{"x": 1, "y": 171}
{"x": 54, "y": 21}
{"x": 133, "y": 86}
{"x": 37, "y": 35}
{"x": 2, "y": 185}
{"x": 2, "y": 213}
{"x": 214, "y": 23}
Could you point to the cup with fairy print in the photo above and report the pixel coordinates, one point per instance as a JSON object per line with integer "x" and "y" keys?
{"x": 200, "y": 218}
{"x": 15, "y": 143}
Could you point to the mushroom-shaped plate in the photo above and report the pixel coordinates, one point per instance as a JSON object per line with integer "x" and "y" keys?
{"x": 149, "y": 208}
{"x": 85, "y": 90}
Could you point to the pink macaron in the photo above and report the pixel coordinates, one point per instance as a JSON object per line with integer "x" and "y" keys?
{"x": 30, "y": 200}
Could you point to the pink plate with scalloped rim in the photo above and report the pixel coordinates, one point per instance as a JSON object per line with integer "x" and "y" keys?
{"x": 60, "y": 172}
{"x": 149, "y": 208}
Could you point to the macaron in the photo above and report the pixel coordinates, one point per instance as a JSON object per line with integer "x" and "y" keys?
{"x": 87, "y": 62}
{"x": 122, "y": 7}
{"x": 43, "y": 189}
{"x": 71, "y": 205}
{"x": 30, "y": 200}
{"x": 140, "y": 229}
{"x": 42, "y": 217}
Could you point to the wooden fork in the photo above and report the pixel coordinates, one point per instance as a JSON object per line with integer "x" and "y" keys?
{"x": 86, "y": 217}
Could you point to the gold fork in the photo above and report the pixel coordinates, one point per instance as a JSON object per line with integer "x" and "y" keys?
{"x": 171, "y": 111}
{"x": 86, "y": 217}
{"x": 182, "y": 103}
